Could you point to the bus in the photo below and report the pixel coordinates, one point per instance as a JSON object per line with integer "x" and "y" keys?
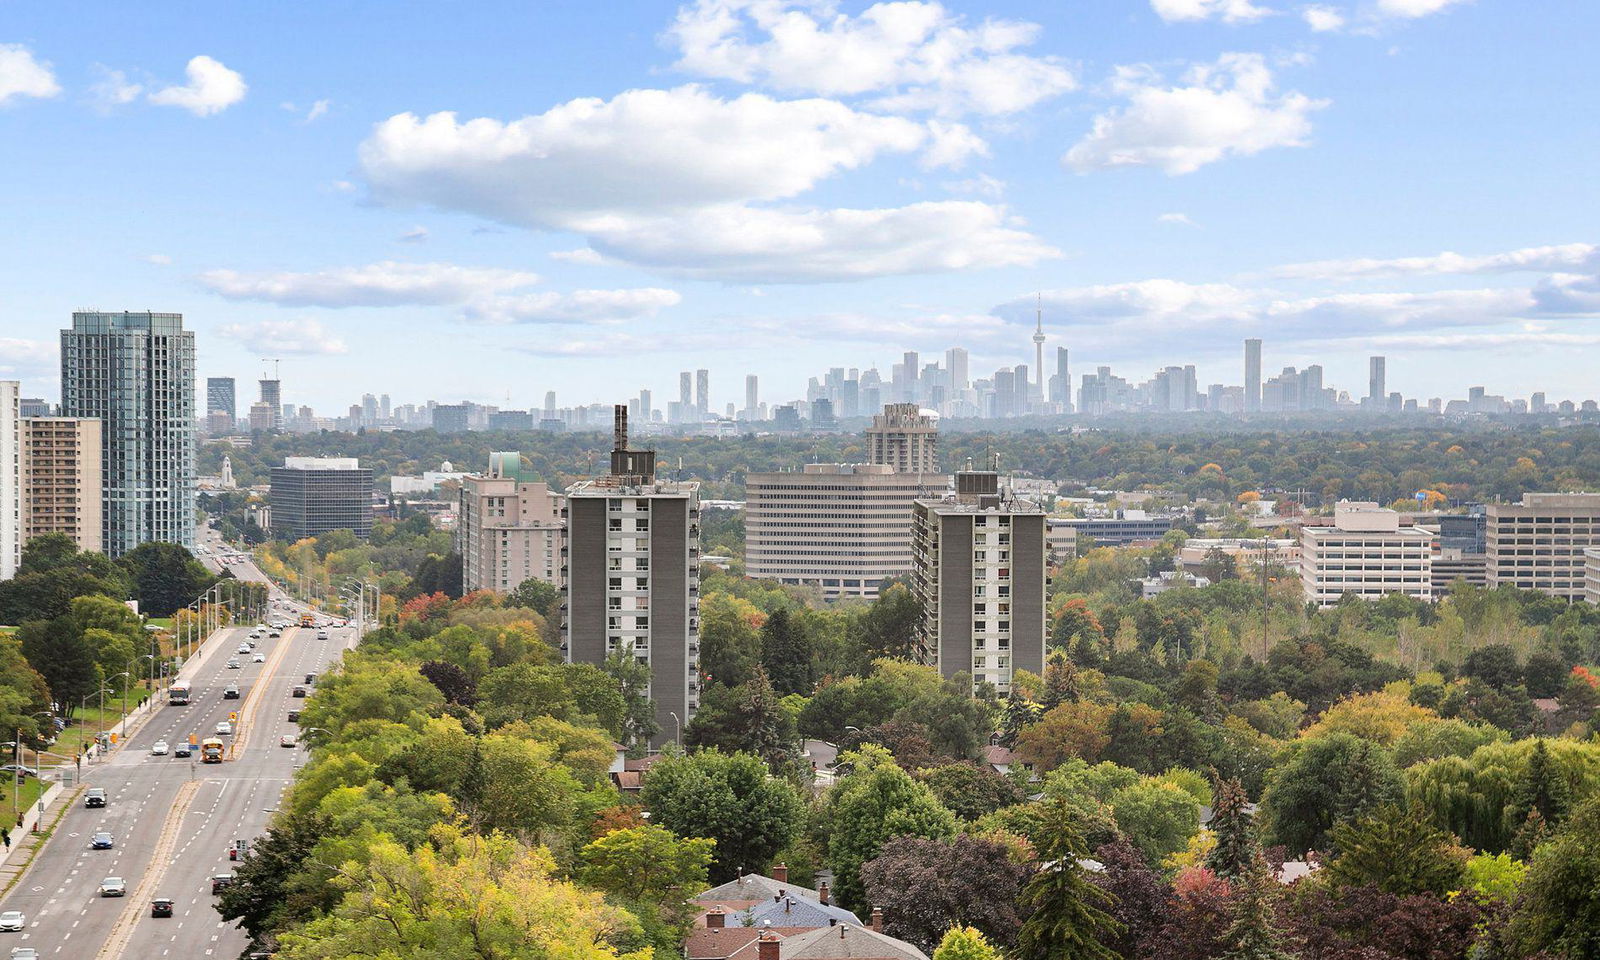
{"x": 307, "y": 620}
{"x": 178, "y": 694}
{"x": 211, "y": 750}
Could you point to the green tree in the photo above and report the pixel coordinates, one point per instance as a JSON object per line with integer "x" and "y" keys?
{"x": 646, "y": 863}
{"x": 1397, "y": 850}
{"x": 749, "y": 717}
{"x": 535, "y": 594}
{"x": 166, "y": 577}
{"x": 1236, "y": 848}
{"x": 970, "y": 790}
{"x": 1067, "y": 915}
{"x": 729, "y": 798}
{"x": 1253, "y": 933}
{"x": 632, "y": 677}
{"x": 787, "y": 654}
{"x": 1158, "y": 817}
{"x": 964, "y": 943}
{"x": 730, "y": 638}
{"x": 889, "y": 627}
{"x": 877, "y": 801}
{"x": 1542, "y": 789}
{"x": 1326, "y": 780}
{"x": 63, "y": 658}
{"x": 1558, "y": 910}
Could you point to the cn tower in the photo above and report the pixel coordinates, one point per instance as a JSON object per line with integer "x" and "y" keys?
{"x": 1038, "y": 350}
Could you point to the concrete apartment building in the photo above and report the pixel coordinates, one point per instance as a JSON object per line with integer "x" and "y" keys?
{"x": 10, "y": 478}
{"x": 631, "y": 572}
{"x": 980, "y": 575}
{"x": 62, "y": 487}
{"x": 311, "y": 496}
{"x": 843, "y": 527}
{"x": 134, "y": 372}
{"x": 1539, "y": 544}
{"x": 1365, "y": 552}
{"x": 905, "y": 438}
{"x": 508, "y": 528}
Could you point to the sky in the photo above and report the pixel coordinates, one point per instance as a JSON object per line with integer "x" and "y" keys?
{"x": 485, "y": 201}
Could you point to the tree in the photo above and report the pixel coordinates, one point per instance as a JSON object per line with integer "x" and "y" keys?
{"x": 970, "y": 790}
{"x": 1067, "y": 731}
{"x": 1325, "y": 781}
{"x": 1016, "y": 714}
{"x": 1140, "y": 898}
{"x": 927, "y": 886}
{"x": 646, "y": 863}
{"x": 260, "y": 899}
{"x": 1156, "y": 816}
{"x": 1398, "y": 851}
{"x": 451, "y": 680}
{"x": 1557, "y": 910}
{"x": 1495, "y": 664}
{"x": 1060, "y": 681}
{"x": 1236, "y": 848}
{"x": 632, "y": 677}
{"x": 535, "y": 594}
{"x": 876, "y": 802}
{"x": 440, "y": 574}
{"x": 889, "y": 627}
{"x": 730, "y": 638}
{"x": 964, "y": 943}
{"x": 63, "y": 658}
{"x": 748, "y": 717}
{"x": 166, "y": 577}
{"x": 1542, "y": 789}
{"x": 1066, "y": 913}
{"x": 1253, "y": 934}
{"x": 729, "y": 798}
{"x": 787, "y": 654}
{"x": 523, "y": 691}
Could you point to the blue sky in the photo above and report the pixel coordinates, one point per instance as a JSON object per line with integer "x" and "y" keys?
{"x": 486, "y": 201}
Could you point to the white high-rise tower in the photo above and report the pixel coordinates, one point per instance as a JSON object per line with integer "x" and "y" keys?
{"x": 1038, "y": 351}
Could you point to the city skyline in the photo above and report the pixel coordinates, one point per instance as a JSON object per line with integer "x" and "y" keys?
{"x": 1172, "y": 176}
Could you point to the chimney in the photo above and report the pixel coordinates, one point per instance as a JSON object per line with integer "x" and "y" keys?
{"x": 877, "y": 920}
{"x": 767, "y": 946}
{"x": 716, "y": 918}
{"x": 780, "y": 873}
{"x": 823, "y": 893}
{"x": 787, "y": 903}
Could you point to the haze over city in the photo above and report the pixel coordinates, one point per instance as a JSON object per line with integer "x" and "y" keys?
{"x": 589, "y": 199}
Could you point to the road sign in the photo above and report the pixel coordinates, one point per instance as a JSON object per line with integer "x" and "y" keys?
{"x": 233, "y": 715}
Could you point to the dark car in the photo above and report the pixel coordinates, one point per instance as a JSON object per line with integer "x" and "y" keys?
{"x": 230, "y": 692}
{"x": 102, "y": 841}
{"x": 294, "y": 716}
{"x": 299, "y": 691}
{"x": 182, "y": 749}
{"x": 221, "y": 880}
{"x": 96, "y": 797}
{"x": 161, "y": 907}
{"x": 311, "y": 678}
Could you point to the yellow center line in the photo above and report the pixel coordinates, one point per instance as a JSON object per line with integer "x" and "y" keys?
{"x": 241, "y": 732}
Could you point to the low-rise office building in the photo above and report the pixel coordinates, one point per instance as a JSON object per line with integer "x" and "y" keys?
{"x": 311, "y": 496}
{"x": 1539, "y": 543}
{"x": 1365, "y": 552}
{"x": 1126, "y": 527}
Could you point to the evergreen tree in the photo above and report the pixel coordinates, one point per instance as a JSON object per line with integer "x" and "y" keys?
{"x": 786, "y": 652}
{"x": 1542, "y": 789}
{"x": 1060, "y": 681}
{"x": 1236, "y": 849}
{"x": 1017, "y": 713}
{"x": 1066, "y": 913}
{"x": 1086, "y": 652}
{"x": 1253, "y": 934}
{"x": 1398, "y": 851}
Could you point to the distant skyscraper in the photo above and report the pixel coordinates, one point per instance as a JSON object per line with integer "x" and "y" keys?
{"x": 646, "y": 410}
{"x": 1252, "y": 376}
{"x": 1061, "y": 383}
{"x": 222, "y": 397}
{"x": 272, "y": 396}
{"x": 955, "y": 360}
{"x": 904, "y": 438}
{"x": 10, "y": 477}
{"x": 1038, "y": 354}
{"x": 685, "y": 394}
{"x": 1376, "y": 375}
{"x": 752, "y": 397}
{"x": 384, "y": 411}
{"x": 702, "y": 392}
{"x": 135, "y": 372}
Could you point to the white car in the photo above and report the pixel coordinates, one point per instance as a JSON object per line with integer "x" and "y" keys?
{"x": 287, "y": 740}
{"x": 243, "y": 648}
{"x": 259, "y": 658}
{"x": 233, "y": 663}
{"x": 113, "y": 887}
{"x": 159, "y": 748}
{"x": 12, "y": 921}
{"x": 225, "y": 728}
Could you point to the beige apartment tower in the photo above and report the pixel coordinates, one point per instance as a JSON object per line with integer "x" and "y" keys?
{"x": 509, "y": 528}
{"x": 1365, "y": 552}
{"x": 1538, "y": 544}
{"x": 905, "y": 438}
{"x": 842, "y": 527}
{"x": 61, "y": 479}
{"x": 981, "y": 577}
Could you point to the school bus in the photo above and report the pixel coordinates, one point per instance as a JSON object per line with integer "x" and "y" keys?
{"x": 307, "y": 620}
{"x": 211, "y": 750}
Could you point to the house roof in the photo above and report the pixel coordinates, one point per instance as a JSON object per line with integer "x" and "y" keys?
{"x": 628, "y": 781}
{"x": 998, "y": 756}
{"x": 729, "y": 943}
{"x": 792, "y": 911}
{"x": 642, "y": 764}
{"x": 846, "y": 942}
{"x": 754, "y": 886}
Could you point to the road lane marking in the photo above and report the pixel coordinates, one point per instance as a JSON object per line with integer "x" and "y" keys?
{"x": 117, "y": 941}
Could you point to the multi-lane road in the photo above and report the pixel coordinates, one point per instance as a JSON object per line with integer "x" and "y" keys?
{"x": 173, "y": 819}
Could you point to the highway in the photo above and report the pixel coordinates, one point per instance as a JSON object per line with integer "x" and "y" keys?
{"x": 172, "y": 818}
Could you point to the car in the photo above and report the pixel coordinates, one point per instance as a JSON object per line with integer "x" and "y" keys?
{"x": 24, "y": 953}
{"x": 287, "y": 740}
{"x": 250, "y": 643}
{"x": 113, "y": 887}
{"x": 102, "y": 841}
{"x": 14, "y": 770}
{"x": 221, "y": 880}
{"x": 311, "y": 678}
{"x": 225, "y": 728}
{"x": 230, "y": 692}
{"x": 274, "y": 634}
{"x": 12, "y": 921}
{"x": 237, "y": 849}
{"x": 243, "y": 648}
{"x": 233, "y": 663}
{"x": 259, "y": 658}
{"x": 322, "y": 634}
{"x": 298, "y": 692}
{"x": 96, "y": 797}
{"x": 159, "y": 748}
{"x": 294, "y": 716}
{"x": 182, "y": 749}
{"x": 161, "y": 907}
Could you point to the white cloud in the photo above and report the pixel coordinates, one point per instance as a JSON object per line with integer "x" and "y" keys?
{"x": 416, "y": 234}
{"x": 582, "y": 255}
{"x": 1224, "y": 109}
{"x": 1181, "y": 219}
{"x": 981, "y": 185}
{"x": 665, "y": 178}
{"x": 318, "y": 109}
{"x": 113, "y": 89}
{"x": 20, "y": 357}
{"x": 1413, "y": 9}
{"x": 23, "y": 75}
{"x": 952, "y": 145}
{"x": 159, "y": 259}
{"x": 212, "y": 88}
{"x": 796, "y": 246}
{"x": 385, "y": 284}
{"x": 579, "y": 306}
{"x": 1228, "y": 11}
{"x": 286, "y": 337}
{"x": 1559, "y": 257}
{"x": 1568, "y": 294}
{"x": 909, "y": 56}
{"x": 1322, "y": 19}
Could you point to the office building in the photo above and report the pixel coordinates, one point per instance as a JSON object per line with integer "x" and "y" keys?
{"x": 452, "y": 417}
{"x": 1252, "y": 376}
{"x": 134, "y": 372}
{"x": 1061, "y": 383}
{"x": 511, "y": 420}
{"x": 311, "y": 496}
{"x": 905, "y": 438}
{"x": 752, "y": 398}
{"x": 221, "y": 397}
{"x": 272, "y": 396}
{"x": 1377, "y": 376}
{"x": 955, "y": 363}
{"x": 508, "y": 528}
{"x": 702, "y": 393}
{"x": 841, "y": 527}
{"x": 10, "y": 478}
{"x": 1538, "y": 544}
{"x": 36, "y": 407}
{"x": 1452, "y": 563}
{"x": 1124, "y": 528}
{"x": 980, "y": 576}
{"x": 631, "y": 566}
{"x": 1365, "y": 552}
{"x": 61, "y": 480}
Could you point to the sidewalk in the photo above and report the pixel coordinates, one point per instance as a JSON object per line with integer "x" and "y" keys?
{"x": 24, "y": 840}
